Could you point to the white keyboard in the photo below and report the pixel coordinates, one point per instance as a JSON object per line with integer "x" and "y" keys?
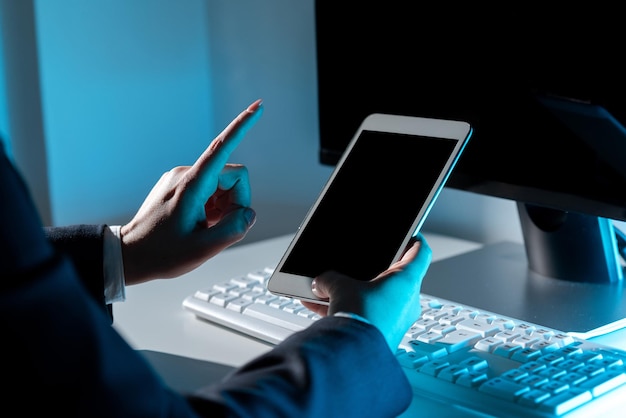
{"x": 495, "y": 365}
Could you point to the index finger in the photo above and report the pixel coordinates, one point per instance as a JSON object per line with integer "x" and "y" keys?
{"x": 215, "y": 157}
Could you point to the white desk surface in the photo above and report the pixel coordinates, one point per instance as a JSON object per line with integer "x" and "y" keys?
{"x": 152, "y": 317}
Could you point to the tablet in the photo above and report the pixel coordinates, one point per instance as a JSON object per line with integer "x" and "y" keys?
{"x": 374, "y": 201}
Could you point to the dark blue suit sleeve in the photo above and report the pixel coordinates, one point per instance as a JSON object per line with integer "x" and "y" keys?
{"x": 338, "y": 367}
{"x": 83, "y": 244}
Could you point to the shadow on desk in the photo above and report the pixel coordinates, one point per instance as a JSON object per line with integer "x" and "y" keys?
{"x": 185, "y": 374}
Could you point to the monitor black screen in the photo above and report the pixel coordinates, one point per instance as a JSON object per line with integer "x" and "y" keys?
{"x": 545, "y": 93}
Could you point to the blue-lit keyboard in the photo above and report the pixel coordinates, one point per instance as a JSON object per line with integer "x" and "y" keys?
{"x": 484, "y": 362}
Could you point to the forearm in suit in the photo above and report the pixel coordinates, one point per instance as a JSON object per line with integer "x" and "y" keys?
{"x": 338, "y": 367}
{"x": 83, "y": 244}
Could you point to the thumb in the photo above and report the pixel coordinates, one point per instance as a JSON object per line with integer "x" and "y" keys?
{"x": 232, "y": 228}
{"x": 319, "y": 289}
{"x": 343, "y": 290}
{"x": 323, "y": 285}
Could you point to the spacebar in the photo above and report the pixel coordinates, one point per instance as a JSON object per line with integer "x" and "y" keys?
{"x": 277, "y": 317}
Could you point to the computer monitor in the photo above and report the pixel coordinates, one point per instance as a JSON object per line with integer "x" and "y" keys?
{"x": 546, "y": 95}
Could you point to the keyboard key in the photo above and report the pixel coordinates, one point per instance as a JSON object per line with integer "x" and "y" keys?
{"x": 252, "y": 295}
{"x": 506, "y": 350}
{"x": 563, "y": 339}
{"x": 411, "y": 359}
{"x": 555, "y": 387}
{"x": 222, "y": 299}
{"x": 604, "y": 382}
{"x": 224, "y": 287}
{"x": 429, "y": 350}
{"x": 305, "y": 313}
{"x": 608, "y": 362}
{"x": 467, "y": 313}
{"x": 432, "y": 368}
{"x": 457, "y": 340}
{"x": 238, "y": 305}
{"x": 452, "y": 372}
{"x": 442, "y": 329}
{"x": 534, "y": 397}
{"x": 525, "y": 329}
{"x": 279, "y": 302}
{"x": 533, "y": 366}
{"x": 515, "y": 374}
{"x": 525, "y": 355}
{"x": 488, "y": 344}
{"x": 591, "y": 370}
{"x": 525, "y": 341}
{"x": 552, "y": 372}
{"x": 569, "y": 365}
{"x": 292, "y": 307}
{"x": 483, "y": 328}
{"x": 551, "y": 358}
{"x": 545, "y": 346}
{"x": 566, "y": 401}
{"x": 277, "y": 317}
{"x": 265, "y": 298}
{"x": 205, "y": 294}
{"x": 434, "y": 314}
{"x": 504, "y": 389}
{"x": 573, "y": 378}
{"x": 429, "y": 337}
{"x": 414, "y": 332}
{"x": 472, "y": 379}
{"x": 474, "y": 363}
{"x": 546, "y": 334}
{"x": 243, "y": 281}
{"x": 425, "y": 323}
{"x": 571, "y": 350}
{"x": 504, "y": 323}
{"x": 507, "y": 335}
{"x": 535, "y": 381}
{"x": 260, "y": 276}
{"x": 239, "y": 291}
{"x": 450, "y": 319}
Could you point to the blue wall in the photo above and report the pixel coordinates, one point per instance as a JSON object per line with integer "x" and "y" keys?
{"x": 4, "y": 120}
{"x": 126, "y": 93}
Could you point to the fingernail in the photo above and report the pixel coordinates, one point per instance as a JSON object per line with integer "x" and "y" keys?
{"x": 254, "y": 106}
{"x": 314, "y": 288}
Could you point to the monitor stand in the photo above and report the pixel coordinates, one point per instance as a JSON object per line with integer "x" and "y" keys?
{"x": 497, "y": 279}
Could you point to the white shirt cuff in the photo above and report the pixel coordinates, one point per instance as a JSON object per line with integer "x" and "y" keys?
{"x": 114, "y": 281}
